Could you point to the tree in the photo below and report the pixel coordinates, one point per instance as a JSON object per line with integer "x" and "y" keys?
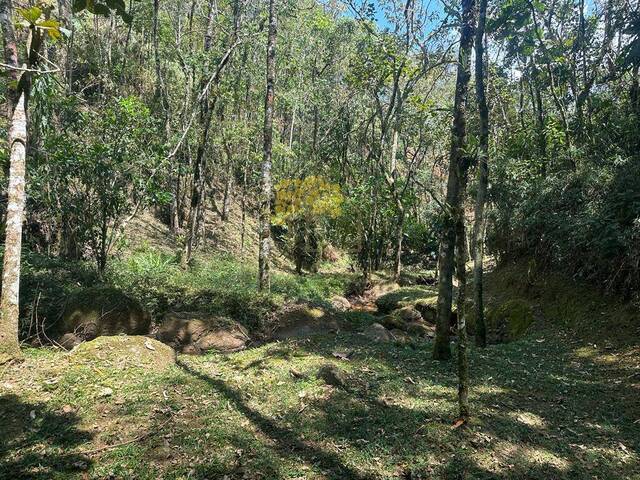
{"x": 456, "y": 183}
{"x": 483, "y": 176}
{"x": 301, "y": 204}
{"x": 40, "y": 26}
{"x": 264, "y": 282}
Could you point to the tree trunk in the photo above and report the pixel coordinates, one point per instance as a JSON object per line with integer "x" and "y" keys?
{"x": 10, "y": 55}
{"x": 265, "y": 206}
{"x": 9, "y": 301}
{"x": 196, "y": 211}
{"x": 463, "y": 360}
{"x": 483, "y": 178}
{"x": 458, "y": 166}
{"x": 397, "y": 261}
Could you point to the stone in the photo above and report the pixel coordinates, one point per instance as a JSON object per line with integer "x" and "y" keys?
{"x": 377, "y": 333}
{"x": 94, "y": 312}
{"x": 333, "y": 376}
{"x": 197, "y": 332}
{"x": 340, "y": 304}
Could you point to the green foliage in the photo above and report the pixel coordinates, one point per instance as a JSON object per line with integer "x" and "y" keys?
{"x": 99, "y": 164}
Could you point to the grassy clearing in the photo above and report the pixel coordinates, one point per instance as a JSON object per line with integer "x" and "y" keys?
{"x": 545, "y": 407}
{"x": 553, "y": 405}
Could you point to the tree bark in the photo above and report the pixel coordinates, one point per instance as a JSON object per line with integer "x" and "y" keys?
{"x": 16, "y": 112}
{"x": 483, "y": 177}
{"x": 458, "y": 165}
{"x": 9, "y": 301}
{"x": 463, "y": 360}
{"x": 264, "y": 282}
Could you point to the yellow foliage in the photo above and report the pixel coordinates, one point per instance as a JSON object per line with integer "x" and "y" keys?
{"x": 311, "y": 197}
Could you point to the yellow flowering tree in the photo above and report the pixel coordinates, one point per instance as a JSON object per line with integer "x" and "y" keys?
{"x": 301, "y": 205}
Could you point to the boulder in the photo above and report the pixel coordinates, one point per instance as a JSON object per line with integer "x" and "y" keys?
{"x": 401, "y": 336}
{"x": 94, "y": 312}
{"x": 392, "y": 321}
{"x": 333, "y": 376}
{"x": 123, "y": 352}
{"x": 340, "y": 304}
{"x": 408, "y": 314}
{"x": 302, "y": 321}
{"x": 420, "y": 329}
{"x": 428, "y": 309}
{"x": 196, "y": 333}
{"x": 377, "y": 333}
{"x": 508, "y": 321}
{"x": 401, "y": 297}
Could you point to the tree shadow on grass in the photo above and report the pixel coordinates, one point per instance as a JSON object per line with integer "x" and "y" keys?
{"x": 35, "y": 441}
{"x": 285, "y": 440}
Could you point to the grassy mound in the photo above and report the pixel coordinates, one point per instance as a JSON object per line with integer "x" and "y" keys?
{"x": 509, "y": 321}
{"x": 124, "y": 352}
{"x": 403, "y": 297}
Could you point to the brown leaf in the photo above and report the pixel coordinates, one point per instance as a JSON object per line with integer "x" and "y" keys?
{"x": 458, "y": 423}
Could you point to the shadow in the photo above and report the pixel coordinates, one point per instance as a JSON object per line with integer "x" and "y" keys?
{"x": 35, "y": 441}
{"x": 284, "y": 439}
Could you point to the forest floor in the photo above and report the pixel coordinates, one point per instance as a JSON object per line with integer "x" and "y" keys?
{"x": 554, "y": 405}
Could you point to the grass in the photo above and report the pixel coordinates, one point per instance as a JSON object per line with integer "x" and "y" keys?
{"x": 245, "y": 416}
{"x": 555, "y": 404}
{"x": 218, "y": 285}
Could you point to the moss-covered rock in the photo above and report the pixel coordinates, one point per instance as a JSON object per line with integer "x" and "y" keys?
{"x": 123, "y": 352}
{"x": 393, "y": 321}
{"x": 195, "y": 333}
{"x": 377, "y": 333}
{"x": 428, "y": 308}
{"x": 420, "y": 329}
{"x": 508, "y": 321}
{"x": 94, "y": 312}
{"x": 402, "y": 297}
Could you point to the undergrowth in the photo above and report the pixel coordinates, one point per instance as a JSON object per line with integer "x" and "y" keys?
{"x": 217, "y": 285}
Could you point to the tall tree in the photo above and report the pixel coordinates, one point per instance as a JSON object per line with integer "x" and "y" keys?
{"x": 458, "y": 167}
{"x": 39, "y": 26}
{"x": 264, "y": 282}
{"x": 483, "y": 176}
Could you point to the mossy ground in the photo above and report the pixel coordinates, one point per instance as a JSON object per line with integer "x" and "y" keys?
{"x": 551, "y": 405}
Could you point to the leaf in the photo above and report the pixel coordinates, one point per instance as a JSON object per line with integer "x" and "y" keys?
{"x": 52, "y": 27}
{"x": 31, "y": 15}
{"x": 458, "y": 423}
{"x": 148, "y": 344}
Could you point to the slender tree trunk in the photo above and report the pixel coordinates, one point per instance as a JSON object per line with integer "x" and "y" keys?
{"x": 397, "y": 261}
{"x": 264, "y": 282}
{"x": 206, "y": 114}
{"x": 483, "y": 177}
{"x": 16, "y": 112}
{"x": 10, "y": 54}
{"x": 9, "y": 301}
{"x": 463, "y": 361}
{"x": 226, "y": 200}
{"x": 458, "y": 165}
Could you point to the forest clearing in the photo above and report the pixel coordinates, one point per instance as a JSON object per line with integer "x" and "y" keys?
{"x": 320, "y": 239}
